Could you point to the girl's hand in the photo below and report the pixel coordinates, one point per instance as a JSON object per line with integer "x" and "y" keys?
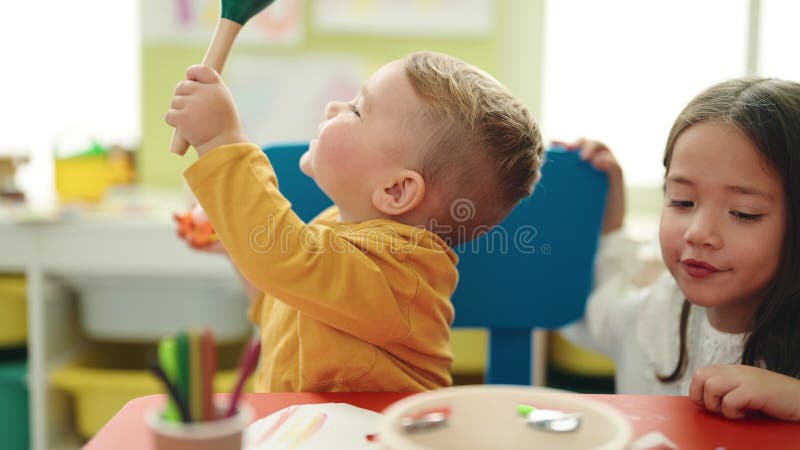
{"x": 733, "y": 390}
{"x": 601, "y": 158}
{"x": 203, "y": 111}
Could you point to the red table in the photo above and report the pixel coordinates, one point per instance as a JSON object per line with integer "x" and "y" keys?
{"x": 676, "y": 417}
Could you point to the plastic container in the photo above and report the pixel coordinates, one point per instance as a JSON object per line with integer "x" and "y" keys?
{"x": 486, "y": 418}
{"x": 13, "y": 311}
{"x": 14, "y": 425}
{"x": 469, "y": 348}
{"x": 82, "y": 178}
{"x": 131, "y": 309}
{"x": 104, "y": 379}
{"x": 222, "y": 434}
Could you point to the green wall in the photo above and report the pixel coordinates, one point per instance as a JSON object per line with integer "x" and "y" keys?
{"x": 512, "y": 53}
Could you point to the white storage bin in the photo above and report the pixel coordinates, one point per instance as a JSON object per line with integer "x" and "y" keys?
{"x": 145, "y": 309}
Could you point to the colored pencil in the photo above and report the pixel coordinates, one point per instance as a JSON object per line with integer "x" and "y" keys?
{"x": 174, "y": 395}
{"x": 195, "y": 376}
{"x": 209, "y": 363}
{"x": 183, "y": 378}
{"x": 167, "y": 359}
{"x": 247, "y": 363}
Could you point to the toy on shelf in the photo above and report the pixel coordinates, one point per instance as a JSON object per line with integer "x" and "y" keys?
{"x": 195, "y": 228}
{"x": 233, "y": 15}
{"x": 8, "y": 167}
{"x": 82, "y": 177}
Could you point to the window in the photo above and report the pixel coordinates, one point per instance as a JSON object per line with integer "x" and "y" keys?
{"x": 620, "y": 71}
{"x": 779, "y": 39}
{"x": 71, "y": 69}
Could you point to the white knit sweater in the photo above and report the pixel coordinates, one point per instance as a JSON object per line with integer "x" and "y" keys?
{"x": 639, "y": 327}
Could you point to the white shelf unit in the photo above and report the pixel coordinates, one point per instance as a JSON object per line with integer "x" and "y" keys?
{"x": 53, "y": 255}
{"x": 50, "y": 255}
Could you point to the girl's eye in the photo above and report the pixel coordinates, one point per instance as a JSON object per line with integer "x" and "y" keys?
{"x": 680, "y": 204}
{"x": 355, "y": 110}
{"x": 745, "y": 217}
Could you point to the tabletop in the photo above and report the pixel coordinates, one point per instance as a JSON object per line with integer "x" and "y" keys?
{"x": 676, "y": 417}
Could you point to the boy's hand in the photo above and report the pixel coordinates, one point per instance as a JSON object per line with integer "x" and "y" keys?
{"x": 203, "y": 111}
{"x": 196, "y": 230}
{"x": 733, "y": 390}
{"x": 214, "y": 247}
{"x": 601, "y": 158}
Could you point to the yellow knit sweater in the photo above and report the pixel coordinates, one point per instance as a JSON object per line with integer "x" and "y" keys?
{"x": 346, "y": 306}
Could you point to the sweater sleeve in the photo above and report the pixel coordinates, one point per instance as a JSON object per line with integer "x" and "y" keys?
{"x": 310, "y": 267}
{"x": 611, "y": 306}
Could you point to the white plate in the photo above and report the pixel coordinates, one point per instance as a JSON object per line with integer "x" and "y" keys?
{"x": 486, "y": 417}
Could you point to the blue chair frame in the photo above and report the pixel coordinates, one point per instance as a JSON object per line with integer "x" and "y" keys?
{"x": 532, "y": 271}
{"x": 543, "y": 275}
{"x": 306, "y": 197}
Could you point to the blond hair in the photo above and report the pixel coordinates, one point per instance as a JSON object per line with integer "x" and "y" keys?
{"x": 487, "y": 152}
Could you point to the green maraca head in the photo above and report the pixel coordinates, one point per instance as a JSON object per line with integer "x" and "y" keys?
{"x": 240, "y": 11}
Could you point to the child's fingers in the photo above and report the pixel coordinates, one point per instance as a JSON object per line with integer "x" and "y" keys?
{"x": 172, "y": 118}
{"x": 715, "y": 389}
{"x": 736, "y": 403}
{"x": 589, "y": 149}
{"x": 175, "y": 117}
{"x": 566, "y": 145}
{"x": 214, "y": 247}
{"x": 707, "y": 379}
{"x": 202, "y": 74}
{"x": 711, "y": 398}
{"x": 205, "y": 246}
{"x": 697, "y": 387}
{"x": 186, "y": 87}
{"x": 605, "y": 162}
{"x": 178, "y": 102}
{"x": 580, "y": 144}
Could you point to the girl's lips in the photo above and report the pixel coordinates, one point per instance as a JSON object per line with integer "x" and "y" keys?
{"x": 698, "y": 269}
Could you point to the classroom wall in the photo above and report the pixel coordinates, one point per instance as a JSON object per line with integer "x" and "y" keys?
{"x": 512, "y": 53}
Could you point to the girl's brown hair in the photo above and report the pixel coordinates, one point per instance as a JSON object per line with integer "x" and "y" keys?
{"x": 768, "y": 112}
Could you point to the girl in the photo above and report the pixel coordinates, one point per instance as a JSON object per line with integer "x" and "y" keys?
{"x": 723, "y": 323}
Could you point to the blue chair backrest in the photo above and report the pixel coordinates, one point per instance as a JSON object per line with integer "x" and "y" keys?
{"x": 532, "y": 271}
{"x": 306, "y": 197}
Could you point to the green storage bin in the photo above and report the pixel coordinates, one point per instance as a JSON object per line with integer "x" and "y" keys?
{"x": 14, "y": 422}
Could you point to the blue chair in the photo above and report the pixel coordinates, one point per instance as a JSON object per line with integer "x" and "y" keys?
{"x": 306, "y": 197}
{"x": 542, "y": 276}
{"x": 532, "y": 271}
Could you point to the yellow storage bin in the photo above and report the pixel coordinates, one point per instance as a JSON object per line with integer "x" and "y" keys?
{"x": 568, "y": 357}
{"x": 469, "y": 346}
{"x": 13, "y": 311}
{"x": 82, "y": 178}
{"x": 104, "y": 379}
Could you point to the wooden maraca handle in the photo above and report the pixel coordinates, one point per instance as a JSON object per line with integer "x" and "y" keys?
{"x": 216, "y": 55}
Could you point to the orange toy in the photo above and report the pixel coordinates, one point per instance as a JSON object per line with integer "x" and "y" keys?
{"x": 195, "y": 227}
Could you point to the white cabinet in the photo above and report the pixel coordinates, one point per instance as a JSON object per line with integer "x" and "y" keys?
{"x": 102, "y": 247}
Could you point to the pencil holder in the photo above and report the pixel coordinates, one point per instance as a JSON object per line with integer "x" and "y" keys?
{"x": 222, "y": 434}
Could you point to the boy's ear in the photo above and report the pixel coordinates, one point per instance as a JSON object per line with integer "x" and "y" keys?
{"x": 401, "y": 194}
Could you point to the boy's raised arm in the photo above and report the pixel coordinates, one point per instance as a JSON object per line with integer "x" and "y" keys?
{"x": 203, "y": 111}
{"x": 309, "y": 267}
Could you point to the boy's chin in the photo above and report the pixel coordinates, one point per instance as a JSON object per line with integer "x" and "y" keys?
{"x": 305, "y": 164}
